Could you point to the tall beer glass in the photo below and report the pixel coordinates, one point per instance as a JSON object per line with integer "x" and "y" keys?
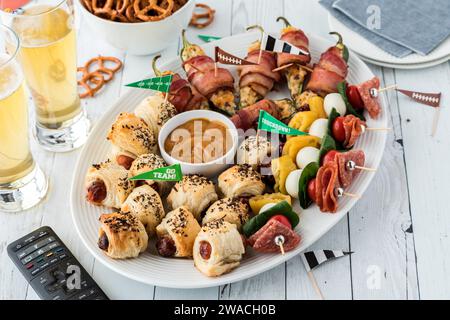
{"x": 48, "y": 58}
{"x": 22, "y": 183}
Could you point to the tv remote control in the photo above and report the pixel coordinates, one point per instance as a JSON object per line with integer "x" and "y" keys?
{"x": 51, "y": 269}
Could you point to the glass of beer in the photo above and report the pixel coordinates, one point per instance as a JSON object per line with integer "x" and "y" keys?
{"x": 48, "y": 59}
{"x": 22, "y": 183}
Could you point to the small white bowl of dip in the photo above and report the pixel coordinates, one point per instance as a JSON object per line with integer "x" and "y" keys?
{"x": 209, "y": 168}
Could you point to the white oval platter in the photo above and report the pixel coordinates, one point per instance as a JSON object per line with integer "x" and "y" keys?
{"x": 177, "y": 273}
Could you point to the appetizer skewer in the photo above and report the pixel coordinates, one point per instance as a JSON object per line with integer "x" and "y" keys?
{"x": 216, "y": 84}
{"x": 256, "y": 80}
{"x": 182, "y": 94}
{"x": 295, "y": 71}
{"x": 330, "y": 70}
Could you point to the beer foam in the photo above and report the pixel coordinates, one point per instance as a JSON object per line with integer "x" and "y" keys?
{"x": 10, "y": 76}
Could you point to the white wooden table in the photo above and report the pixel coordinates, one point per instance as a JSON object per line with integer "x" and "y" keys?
{"x": 399, "y": 231}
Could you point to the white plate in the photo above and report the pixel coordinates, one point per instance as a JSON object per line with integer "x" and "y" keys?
{"x": 406, "y": 66}
{"x": 366, "y": 49}
{"x": 177, "y": 273}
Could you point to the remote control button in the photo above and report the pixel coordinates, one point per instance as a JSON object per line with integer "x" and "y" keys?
{"x": 29, "y": 266}
{"x": 29, "y": 240}
{"x": 44, "y": 266}
{"x": 35, "y": 271}
{"x": 42, "y": 233}
{"x": 39, "y": 260}
{"x": 63, "y": 256}
{"x": 18, "y": 246}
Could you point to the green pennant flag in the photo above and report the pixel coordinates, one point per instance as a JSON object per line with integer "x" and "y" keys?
{"x": 268, "y": 123}
{"x": 208, "y": 38}
{"x": 170, "y": 173}
{"x": 159, "y": 83}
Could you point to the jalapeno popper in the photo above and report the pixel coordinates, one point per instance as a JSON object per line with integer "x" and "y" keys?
{"x": 216, "y": 84}
{"x": 330, "y": 70}
{"x": 295, "y": 74}
{"x": 256, "y": 81}
{"x": 182, "y": 94}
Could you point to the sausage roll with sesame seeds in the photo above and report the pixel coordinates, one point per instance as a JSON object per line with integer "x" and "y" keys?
{"x": 155, "y": 112}
{"x": 148, "y": 162}
{"x": 241, "y": 181}
{"x": 121, "y": 236}
{"x": 107, "y": 184}
{"x": 146, "y": 205}
{"x": 232, "y": 210}
{"x": 195, "y": 192}
{"x": 131, "y": 137}
{"x": 218, "y": 248}
{"x": 176, "y": 234}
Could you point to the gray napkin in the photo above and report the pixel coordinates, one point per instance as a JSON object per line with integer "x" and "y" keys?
{"x": 419, "y": 25}
{"x": 382, "y": 43}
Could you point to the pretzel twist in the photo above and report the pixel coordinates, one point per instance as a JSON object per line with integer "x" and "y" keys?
{"x": 208, "y": 16}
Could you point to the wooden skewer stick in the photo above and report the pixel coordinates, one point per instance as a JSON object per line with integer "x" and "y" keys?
{"x": 215, "y": 69}
{"x": 377, "y": 129}
{"x": 340, "y": 193}
{"x": 436, "y": 117}
{"x": 166, "y": 99}
{"x": 394, "y": 86}
{"x": 290, "y": 65}
{"x": 283, "y": 67}
{"x": 351, "y": 165}
{"x": 279, "y": 241}
{"x": 315, "y": 285}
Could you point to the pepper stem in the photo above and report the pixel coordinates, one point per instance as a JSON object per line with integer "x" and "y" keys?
{"x": 186, "y": 43}
{"x": 286, "y": 22}
{"x": 340, "y": 42}
{"x": 155, "y": 69}
{"x": 256, "y": 27}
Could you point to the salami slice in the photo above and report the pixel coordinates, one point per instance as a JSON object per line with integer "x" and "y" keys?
{"x": 327, "y": 181}
{"x": 372, "y": 104}
{"x": 346, "y": 176}
{"x": 264, "y": 239}
{"x": 353, "y": 129}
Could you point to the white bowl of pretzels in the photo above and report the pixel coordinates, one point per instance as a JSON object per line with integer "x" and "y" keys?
{"x": 138, "y": 27}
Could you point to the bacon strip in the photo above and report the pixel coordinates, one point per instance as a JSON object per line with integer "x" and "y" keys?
{"x": 326, "y": 183}
{"x": 298, "y": 39}
{"x": 201, "y": 75}
{"x": 372, "y": 104}
{"x": 347, "y": 176}
{"x": 328, "y": 72}
{"x": 183, "y": 96}
{"x": 353, "y": 129}
{"x": 246, "y": 118}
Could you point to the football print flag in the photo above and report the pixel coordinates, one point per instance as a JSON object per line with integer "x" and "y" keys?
{"x": 430, "y": 99}
{"x": 270, "y": 43}
{"x": 227, "y": 58}
{"x": 312, "y": 259}
{"x": 161, "y": 84}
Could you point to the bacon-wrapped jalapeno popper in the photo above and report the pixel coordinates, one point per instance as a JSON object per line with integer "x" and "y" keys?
{"x": 215, "y": 84}
{"x": 330, "y": 70}
{"x": 256, "y": 81}
{"x": 182, "y": 94}
{"x": 295, "y": 74}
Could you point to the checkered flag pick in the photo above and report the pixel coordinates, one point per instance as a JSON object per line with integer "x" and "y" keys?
{"x": 430, "y": 99}
{"x": 270, "y": 43}
{"x": 312, "y": 259}
{"x": 161, "y": 84}
{"x": 227, "y": 58}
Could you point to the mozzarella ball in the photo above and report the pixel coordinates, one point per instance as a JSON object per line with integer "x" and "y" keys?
{"x": 319, "y": 128}
{"x": 267, "y": 207}
{"x": 307, "y": 155}
{"x": 292, "y": 183}
{"x": 334, "y": 100}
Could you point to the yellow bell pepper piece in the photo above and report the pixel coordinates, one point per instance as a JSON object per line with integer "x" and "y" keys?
{"x": 257, "y": 202}
{"x": 302, "y": 121}
{"x": 294, "y": 145}
{"x": 281, "y": 167}
{"x": 316, "y": 105}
